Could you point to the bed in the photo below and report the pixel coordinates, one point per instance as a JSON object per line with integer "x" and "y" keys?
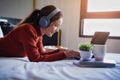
{"x": 21, "y": 69}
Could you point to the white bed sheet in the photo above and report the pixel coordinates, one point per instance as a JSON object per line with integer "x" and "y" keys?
{"x": 22, "y": 69}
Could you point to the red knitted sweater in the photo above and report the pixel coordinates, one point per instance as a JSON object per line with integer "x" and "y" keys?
{"x": 26, "y": 40}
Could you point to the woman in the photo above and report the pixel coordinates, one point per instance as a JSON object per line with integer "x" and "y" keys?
{"x": 26, "y": 38}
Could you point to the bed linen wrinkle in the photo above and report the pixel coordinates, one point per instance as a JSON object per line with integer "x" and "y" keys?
{"x": 21, "y": 69}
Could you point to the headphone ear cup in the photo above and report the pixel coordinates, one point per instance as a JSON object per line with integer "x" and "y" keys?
{"x": 44, "y": 21}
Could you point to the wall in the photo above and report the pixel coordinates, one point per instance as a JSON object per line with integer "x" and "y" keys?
{"x": 70, "y": 27}
{"x": 15, "y": 8}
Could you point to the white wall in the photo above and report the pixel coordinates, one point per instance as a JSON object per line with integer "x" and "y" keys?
{"x": 15, "y": 8}
{"x": 70, "y": 27}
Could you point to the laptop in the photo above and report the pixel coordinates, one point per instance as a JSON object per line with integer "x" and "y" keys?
{"x": 100, "y": 38}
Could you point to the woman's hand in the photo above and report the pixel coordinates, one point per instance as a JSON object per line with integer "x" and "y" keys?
{"x": 72, "y": 54}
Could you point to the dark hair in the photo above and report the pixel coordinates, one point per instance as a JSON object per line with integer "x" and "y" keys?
{"x": 35, "y": 16}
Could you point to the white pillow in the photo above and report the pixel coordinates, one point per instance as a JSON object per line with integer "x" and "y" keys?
{"x": 1, "y": 33}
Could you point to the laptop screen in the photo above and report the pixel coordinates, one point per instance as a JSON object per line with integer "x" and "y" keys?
{"x": 100, "y": 38}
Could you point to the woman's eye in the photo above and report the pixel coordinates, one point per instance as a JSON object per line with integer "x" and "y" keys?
{"x": 57, "y": 25}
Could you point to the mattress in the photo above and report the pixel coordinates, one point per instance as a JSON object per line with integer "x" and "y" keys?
{"x": 16, "y": 68}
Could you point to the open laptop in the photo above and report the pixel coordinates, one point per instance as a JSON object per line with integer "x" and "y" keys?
{"x": 100, "y": 38}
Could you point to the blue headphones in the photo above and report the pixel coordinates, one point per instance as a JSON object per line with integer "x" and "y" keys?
{"x": 45, "y": 20}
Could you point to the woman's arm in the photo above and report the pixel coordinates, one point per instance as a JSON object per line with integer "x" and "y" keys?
{"x": 32, "y": 45}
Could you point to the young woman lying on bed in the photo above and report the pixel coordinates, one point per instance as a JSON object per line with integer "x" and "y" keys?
{"x": 26, "y": 38}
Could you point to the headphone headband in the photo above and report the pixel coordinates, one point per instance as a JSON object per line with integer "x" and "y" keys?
{"x": 54, "y": 12}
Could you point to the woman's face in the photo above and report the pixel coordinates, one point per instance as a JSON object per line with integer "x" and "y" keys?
{"x": 53, "y": 27}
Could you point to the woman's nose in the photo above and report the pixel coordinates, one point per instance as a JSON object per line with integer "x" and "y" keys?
{"x": 57, "y": 29}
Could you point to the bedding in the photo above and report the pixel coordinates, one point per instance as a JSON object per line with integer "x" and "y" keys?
{"x": 1, "y": 33}
{"x": 16, "y": 68}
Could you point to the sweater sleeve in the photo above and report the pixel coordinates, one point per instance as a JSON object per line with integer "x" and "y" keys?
{"x": 30, "y": 43}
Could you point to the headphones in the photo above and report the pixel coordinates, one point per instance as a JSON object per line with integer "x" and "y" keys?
{"x": 45, "y": 20}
